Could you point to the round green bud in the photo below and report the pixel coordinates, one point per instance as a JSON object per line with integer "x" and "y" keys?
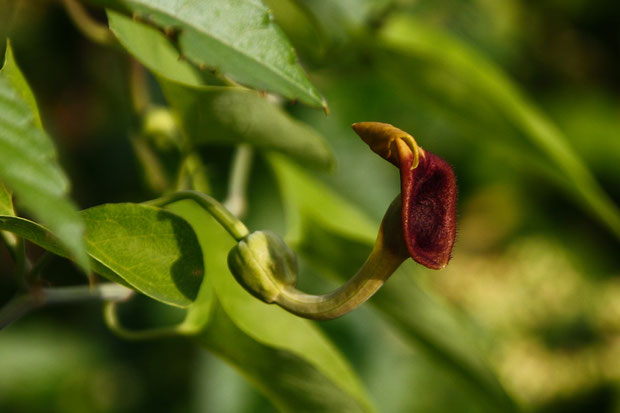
{"x": 263, "y": 264}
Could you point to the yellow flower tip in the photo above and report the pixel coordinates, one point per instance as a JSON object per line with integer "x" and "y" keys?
{"x": 387, "y": 141}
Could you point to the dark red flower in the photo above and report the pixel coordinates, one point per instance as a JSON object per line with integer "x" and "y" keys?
{"x": 428, "y": 192}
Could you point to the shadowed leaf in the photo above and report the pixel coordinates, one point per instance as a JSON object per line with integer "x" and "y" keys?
{"x": 29, "y": 166}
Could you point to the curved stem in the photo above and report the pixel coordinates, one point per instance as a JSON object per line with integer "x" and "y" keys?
{"x": 95, "y": 31}
{"x": 379, "y": 266}
{"x": 234, "y": 226}
{"x": 265, "y": 266}
{"x": 110, "y": 315}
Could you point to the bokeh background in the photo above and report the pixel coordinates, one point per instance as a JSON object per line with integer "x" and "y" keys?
{"x": 490, "y": 86}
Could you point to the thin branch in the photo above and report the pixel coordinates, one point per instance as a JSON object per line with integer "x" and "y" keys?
{"x": 22, "y": 304}
{"x": 236, "y": 201}
{"x": 94, "y": 30}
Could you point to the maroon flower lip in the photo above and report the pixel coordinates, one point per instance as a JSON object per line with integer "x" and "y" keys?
{"x": 428, "y": 192}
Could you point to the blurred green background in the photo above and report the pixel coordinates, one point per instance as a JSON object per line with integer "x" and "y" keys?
{"x": 490, "y": 86}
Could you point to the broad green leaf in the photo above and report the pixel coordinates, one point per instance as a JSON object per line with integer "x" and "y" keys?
{"x": 334, "y": 236}
{"x": 288, "y": 380}
{"x": 227, "y": 115}
{"x": 414, "y": 38}
{"x": 153, "y": 49}
{"x": 268, "y": 324}
{"x": 140, "y": 246}
{"x": 29, "y": 166}
{"x": 238, "y": 38}
{"x": 152, "y": 249}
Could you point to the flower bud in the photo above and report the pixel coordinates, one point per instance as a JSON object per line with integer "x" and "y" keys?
{"x": 263, "y": 264}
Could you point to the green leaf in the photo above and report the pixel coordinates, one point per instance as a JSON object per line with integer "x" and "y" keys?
{"x": 29, "y": 166}
{"x": 271, "y": 326}
{"x": 153, "y": 49}
{"x": 143, "y": 247}
{"x": 411, "y": 37}
{"x": 238, "y": 38}
{"x": 227, "y": 115}
{"x": 335, "y": 236}
{"x": 287, "y": 379}
{"x": 153, "y": 250}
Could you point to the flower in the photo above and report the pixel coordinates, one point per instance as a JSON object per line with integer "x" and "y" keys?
{"x": 428, "y": 192}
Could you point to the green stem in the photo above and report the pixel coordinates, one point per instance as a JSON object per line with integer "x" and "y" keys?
{"x": 110, "y": 315}
{"x": 234, "y": 226}
{"x": 22, "y": 304}
{"x": 264, "y": 265}
{"x": 379, "y": 266}
{"x": 236, "y": 201}
{"x": 95, "y": 31}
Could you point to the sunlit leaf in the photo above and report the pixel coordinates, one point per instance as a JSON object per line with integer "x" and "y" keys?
{"x": 288, "y": 380}
{"x": 29, "y": 166}
{"x": 155, "y": 251}
{"x": 238, "y": 38}
{"x": 286, "y": 335}
{"x": 226, "y": 115}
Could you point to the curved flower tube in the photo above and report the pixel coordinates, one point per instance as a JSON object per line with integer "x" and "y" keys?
{"x": 420, "y": 223}
{"x": 428, "y": 189}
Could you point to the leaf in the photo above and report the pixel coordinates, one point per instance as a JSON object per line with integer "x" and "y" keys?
{"x": 333, "y": 234}
{"x": 153, "y": 49}
{"x": 140, "y": 246}
{"x": 226, "y": 115}
{"x": 155, "y": 251}
{"x": 29, "y": 166}
{"x": 414, "y": 38}
{"x": 238, "y": 38}
{"x": 288, "y": 380}
{"x": 270, "y": 325}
